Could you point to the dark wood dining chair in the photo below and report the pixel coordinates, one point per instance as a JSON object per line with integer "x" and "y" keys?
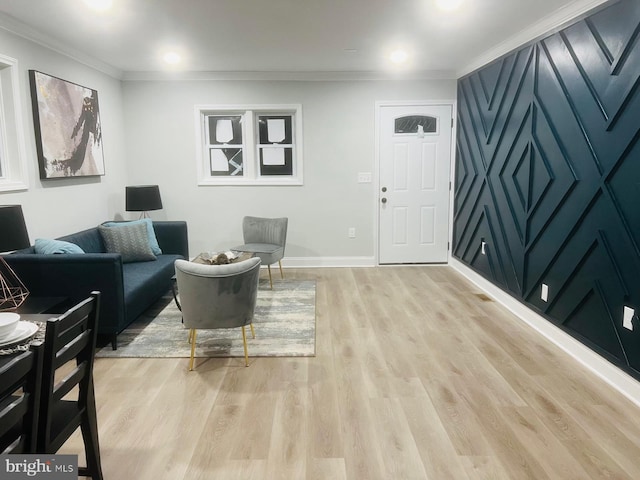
{"x": 20, "y": 378}
{"x": 69, "y": 346}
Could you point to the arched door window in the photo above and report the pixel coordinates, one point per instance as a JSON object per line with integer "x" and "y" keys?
{"x": 413, "y": 123}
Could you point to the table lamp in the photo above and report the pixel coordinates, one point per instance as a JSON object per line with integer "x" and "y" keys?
{"x": 14, "y": 236}
{"x": 142, "y": 198}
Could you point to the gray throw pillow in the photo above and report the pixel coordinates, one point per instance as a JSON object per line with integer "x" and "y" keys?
{"x": 153, "y": 241}
{"x": 130, "y": 241}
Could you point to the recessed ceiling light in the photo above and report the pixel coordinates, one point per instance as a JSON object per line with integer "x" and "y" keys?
{"x": 399, "y": 56}
{"x": 99, "y": 5}
{"x": 449, "y": 5}
{"x": 172, "y": 58}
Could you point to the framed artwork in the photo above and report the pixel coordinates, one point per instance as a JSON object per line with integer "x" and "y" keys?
{"x": 67, "y": 125}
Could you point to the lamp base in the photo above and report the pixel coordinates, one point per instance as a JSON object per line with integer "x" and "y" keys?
{"x": 12, "y": 291}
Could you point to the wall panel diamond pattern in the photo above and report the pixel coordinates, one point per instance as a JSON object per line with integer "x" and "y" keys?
{"x": 548, "y": 177}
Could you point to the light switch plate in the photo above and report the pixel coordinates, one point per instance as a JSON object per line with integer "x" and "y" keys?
{"x": 627, "y": 317}
{"x": 364, "y": 177}
{"x": 544, "y": 292}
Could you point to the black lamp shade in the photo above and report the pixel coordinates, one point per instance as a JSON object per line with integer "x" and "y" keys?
{"x": 13, "y": 230}
{"x": 142, "y": 198}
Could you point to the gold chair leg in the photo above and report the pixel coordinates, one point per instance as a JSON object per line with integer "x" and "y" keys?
{"x": 281, "y": 272}
{"x": 246, "y": 353}
{"x": 192, "y": 335}
{"x": 270, "y": 279}
{"x": 253, "y": 332}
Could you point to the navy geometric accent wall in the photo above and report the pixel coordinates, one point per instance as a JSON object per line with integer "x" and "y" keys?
{"x": 548, "y": 176}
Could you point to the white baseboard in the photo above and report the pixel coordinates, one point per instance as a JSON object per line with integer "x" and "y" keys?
{"x": 316, "y": 262}
{"x": 621, "y": 381}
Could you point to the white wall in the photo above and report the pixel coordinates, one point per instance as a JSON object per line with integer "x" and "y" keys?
{"x": 338, "y": 124}
{"x": 149, "y": 137}
{"x": 57, "y": 207}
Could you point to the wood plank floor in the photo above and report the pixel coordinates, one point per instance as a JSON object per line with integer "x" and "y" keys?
{"x": 415, "y": 377}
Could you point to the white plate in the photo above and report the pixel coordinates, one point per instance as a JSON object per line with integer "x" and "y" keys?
{"x": 23, "y": 331}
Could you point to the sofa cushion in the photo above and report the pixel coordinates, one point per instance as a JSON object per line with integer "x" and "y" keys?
{"x": 145, "y": 282}
{"x": 130, "y": 241}
{"x": 268, "y": 252}
{"x": 153, "y": 241}
{"x": 49, "y": 246}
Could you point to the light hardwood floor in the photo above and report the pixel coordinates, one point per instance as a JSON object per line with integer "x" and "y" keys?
{"x": 415, "y": 377}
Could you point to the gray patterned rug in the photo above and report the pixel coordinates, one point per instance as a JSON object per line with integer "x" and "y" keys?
{"x": 284, "y": 322}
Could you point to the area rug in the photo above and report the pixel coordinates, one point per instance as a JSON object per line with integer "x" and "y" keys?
{"x": 284, "y": 323}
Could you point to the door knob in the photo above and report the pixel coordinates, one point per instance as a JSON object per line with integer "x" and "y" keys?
{"x": 384, "y": 189}
{"x": 384, "y": 200}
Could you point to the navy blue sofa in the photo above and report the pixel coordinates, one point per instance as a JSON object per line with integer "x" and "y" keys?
{"x": 127, "y": 289}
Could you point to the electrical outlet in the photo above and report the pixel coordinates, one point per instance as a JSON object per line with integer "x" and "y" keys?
{"x": 364, "y": 177}
{"x": 544, "y": 292}
{"x": 483, "y": 248}
{"x": 627, "y": 317}
{"x": 352, "y": 232}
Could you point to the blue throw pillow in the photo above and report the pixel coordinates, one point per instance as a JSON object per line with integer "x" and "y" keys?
{"x": 48, "y": 247}
{"x": 153, "y": 241}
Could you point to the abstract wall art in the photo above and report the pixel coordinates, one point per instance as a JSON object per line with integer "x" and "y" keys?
{"x": 67, "y": 126}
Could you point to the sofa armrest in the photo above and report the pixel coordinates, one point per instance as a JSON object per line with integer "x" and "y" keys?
{"x": 75, "y": 276}
{"x": 172, "y": 237}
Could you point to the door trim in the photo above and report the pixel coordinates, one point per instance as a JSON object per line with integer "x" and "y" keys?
{"x": 379, "y": 104}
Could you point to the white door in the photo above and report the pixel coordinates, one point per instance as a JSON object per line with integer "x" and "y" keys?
{"x": 415, "y": 158}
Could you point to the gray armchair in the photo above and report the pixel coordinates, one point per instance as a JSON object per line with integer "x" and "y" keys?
{"x": 266, "y": 238}
{"x": 217, "y": 296}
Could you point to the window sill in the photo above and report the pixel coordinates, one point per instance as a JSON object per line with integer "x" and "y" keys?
{"x": 226, "y": 181}
{"x": 9, "y": 186}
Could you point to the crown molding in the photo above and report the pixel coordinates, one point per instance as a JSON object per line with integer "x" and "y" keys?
{"x": 544, "y": 27}
{"x": 307, "y": 76}
{"x": 23, "y": 30}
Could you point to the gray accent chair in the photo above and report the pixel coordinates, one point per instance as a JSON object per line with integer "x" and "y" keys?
{"x": 266, "y": 238}
{"x": 217, "y": 296}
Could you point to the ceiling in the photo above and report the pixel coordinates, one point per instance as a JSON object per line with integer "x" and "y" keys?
{"x": 282, "y": 35}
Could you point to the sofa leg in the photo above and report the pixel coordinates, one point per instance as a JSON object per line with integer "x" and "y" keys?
{"x": 114, "y": 341}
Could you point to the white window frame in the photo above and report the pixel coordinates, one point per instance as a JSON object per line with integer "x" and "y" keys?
{"x": 13, "y": 172}
{"x": 250, "y": 144}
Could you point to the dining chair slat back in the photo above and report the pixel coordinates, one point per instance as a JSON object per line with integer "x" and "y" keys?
{"x": 20, "y": 380}
{"x": 70, "y": 344}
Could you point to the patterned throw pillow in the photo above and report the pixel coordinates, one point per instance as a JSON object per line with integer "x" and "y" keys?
{"x": 153, "y": 241}
{"x": 130, "y": 241}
